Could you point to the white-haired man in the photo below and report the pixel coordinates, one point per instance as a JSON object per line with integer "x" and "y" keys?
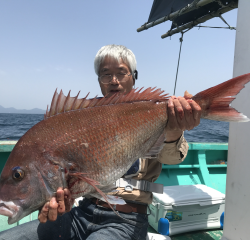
{"x": 115, "y": 66}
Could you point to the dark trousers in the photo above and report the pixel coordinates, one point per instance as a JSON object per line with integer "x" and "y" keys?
{"x": 87, "y": 221}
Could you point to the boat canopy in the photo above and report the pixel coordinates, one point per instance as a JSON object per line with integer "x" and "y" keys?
{"x": 162, "y": 8}
{"x": 186, "y": 14}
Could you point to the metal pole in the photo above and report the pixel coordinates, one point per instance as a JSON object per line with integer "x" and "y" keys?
{"x": 236, "y": 222}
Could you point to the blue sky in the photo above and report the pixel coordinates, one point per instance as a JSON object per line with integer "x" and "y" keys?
{"x": 52, "y": 44}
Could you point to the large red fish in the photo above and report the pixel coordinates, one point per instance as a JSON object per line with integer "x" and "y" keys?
{"x": 84, "y": 144}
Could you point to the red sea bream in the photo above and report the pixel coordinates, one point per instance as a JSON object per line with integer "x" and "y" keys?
{"x": 88, "y": 144}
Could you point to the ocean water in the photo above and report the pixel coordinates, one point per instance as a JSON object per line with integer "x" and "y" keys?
{"x": 209, "y": 131}
{"x": 13, "y": 126}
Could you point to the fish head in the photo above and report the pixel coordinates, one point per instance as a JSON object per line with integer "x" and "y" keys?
{"x": 28, "y": 180}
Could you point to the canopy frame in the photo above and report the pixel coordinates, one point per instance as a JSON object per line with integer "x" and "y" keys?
{"x": 190, "y": 7}
{"x": 203, "y": 19}
{"x": 196, "y": 4}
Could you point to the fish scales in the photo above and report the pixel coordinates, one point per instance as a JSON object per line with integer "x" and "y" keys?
{"x": 123, "y": 130}
{"x": 103, "y": 142}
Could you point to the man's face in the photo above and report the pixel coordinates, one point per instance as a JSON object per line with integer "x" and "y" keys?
{"x": 113, "y": 67}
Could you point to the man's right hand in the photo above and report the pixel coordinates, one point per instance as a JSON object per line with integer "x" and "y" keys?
{"x": 56, "y": 206}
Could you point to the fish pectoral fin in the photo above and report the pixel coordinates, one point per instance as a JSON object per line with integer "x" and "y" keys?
{"x": 108, "y": 188}
{"x": 94, "y": 184}
{"x": 114, "y": 200}
{"x": 157, "y": 147}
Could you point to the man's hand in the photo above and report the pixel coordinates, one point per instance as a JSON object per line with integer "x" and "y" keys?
{"x": 56, "y": 206}
{"x": 183, "y": 114}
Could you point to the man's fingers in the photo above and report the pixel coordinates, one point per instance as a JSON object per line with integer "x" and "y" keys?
{"x": 53, "y": 205}
{"x": 189, "y": 119}
{"x": 172, "y": 120}
{"x": 57, "y": 206}
{"x": 43, "y": 214}
{"x": 179, "y": 112}
{"x": 67, "y": 193}
{"x": 67, "y": 200}
{"x": 60, "y": 201}
{"x": 196, "y": 112}
{"x": 183, "y": 114}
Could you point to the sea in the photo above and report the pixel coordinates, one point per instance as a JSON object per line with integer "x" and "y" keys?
{"x": 13, "y": 126}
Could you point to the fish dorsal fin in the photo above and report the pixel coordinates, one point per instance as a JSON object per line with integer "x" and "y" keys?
{"x": 61, "y": 103}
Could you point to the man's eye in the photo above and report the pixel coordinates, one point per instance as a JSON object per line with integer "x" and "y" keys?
{"x": 121, "y": 73}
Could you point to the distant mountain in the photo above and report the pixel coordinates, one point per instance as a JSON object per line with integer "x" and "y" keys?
{"x": 13, "y": 110}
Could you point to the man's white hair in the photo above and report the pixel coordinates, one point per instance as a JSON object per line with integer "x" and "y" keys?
{"x": 117, "y": 52}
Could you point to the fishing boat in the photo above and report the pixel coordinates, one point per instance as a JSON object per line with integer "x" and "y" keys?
{"x": 210, "y": 164}
{"x": 206, "y": 163}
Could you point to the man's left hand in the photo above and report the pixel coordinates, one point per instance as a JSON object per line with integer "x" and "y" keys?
{"x": 56, "y": 206}
{"x": 183, "y": 114}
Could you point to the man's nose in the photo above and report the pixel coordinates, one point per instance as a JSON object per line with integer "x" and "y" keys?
{"x": 114, "y": 80}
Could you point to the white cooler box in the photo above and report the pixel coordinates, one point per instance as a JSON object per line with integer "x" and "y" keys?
{"x": 187, "y": 208}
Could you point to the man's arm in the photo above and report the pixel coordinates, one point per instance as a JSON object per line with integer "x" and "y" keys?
{"x": 182, "y": 115}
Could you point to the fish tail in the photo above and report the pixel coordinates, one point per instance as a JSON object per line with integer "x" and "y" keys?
{"x": 93, "y": 183}
{"x": 215, "y": 101}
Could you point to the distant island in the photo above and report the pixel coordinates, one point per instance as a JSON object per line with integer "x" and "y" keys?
{"x": 13, "y": 110}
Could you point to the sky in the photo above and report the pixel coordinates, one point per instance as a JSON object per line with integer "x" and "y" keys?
{"x": 52, "y": 44}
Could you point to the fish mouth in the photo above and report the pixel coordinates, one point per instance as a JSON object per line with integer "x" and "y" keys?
{"x": 9, "y": 209}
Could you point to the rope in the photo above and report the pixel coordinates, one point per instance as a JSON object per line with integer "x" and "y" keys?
{"x": 181, "y": 40}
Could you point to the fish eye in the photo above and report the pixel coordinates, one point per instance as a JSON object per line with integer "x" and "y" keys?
{"x": 18, "y": 174}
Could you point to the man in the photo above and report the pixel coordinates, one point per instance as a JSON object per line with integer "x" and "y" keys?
{"x": 116, "y": 69}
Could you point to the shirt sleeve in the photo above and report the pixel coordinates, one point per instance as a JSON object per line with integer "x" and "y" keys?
{"x": 174, "y": 152}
